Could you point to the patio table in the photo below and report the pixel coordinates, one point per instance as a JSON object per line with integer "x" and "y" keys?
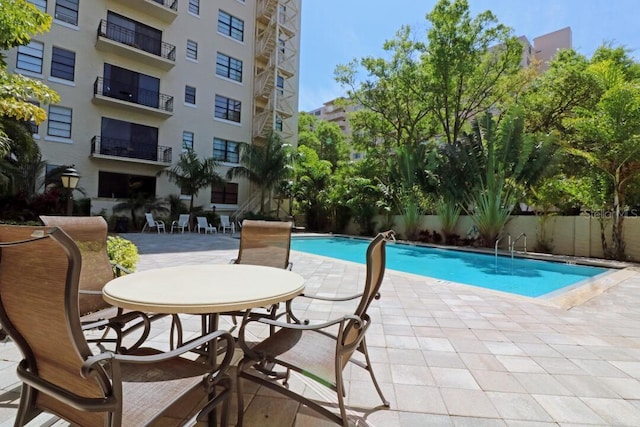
{"x": 203, "y": 289}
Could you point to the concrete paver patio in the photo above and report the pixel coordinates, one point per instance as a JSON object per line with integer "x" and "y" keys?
{"x": 446, "y": 354}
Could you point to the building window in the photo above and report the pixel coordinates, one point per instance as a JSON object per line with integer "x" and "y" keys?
{"x": 279, "y": 123}
{"x": 63, "y": 63}
{"x": 187, "y": 141}
{"x": 226, "y": 194}
{"x": 59, "y": 121}
{"x": 67, "y": 11}
{"x": 190, "y": 95}
{"x": 280, "y": 84}
{"x": 228, "y": 109}
{"x": 192, "y": 50}
{"x": 225, "y": 151}
{"x": 194, "y": 7}
{"x": 229, "y": 67}
{"x": 282, "y": 46}
{"x": 124, "y": 186}
{"x": 40, "y": 4}
{"x": 230, "y": 26}
{"x": 30, "y": 57}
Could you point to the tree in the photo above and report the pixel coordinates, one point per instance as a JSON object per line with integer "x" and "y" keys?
{"x": 326, "y": 138}
{"x": 607, "y": 137}
{"x": 393, "y": 115}
{"x": 19, "y": 20}
{"x": 265, "y": 165}
{"x": 310, "y": 187}
{"x": 192, "y": 174}
{"x": 465, "y": 64}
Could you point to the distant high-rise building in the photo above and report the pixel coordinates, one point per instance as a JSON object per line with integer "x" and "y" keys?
{"x": 141, "y": 81}
{"x": 545, "y": 47}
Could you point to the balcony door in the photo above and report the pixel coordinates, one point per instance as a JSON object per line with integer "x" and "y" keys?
{"x": 134, "y": 33}
{"x": 131, "y": 86}
{"x": 131, "y": 140}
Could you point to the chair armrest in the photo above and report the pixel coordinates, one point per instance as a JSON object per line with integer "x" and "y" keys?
{"x": 119, "y": 269}
{"x": 91, "y": 361}
{"x": 305, "y": 327}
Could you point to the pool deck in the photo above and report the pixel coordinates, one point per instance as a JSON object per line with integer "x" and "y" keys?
{"x": 446, "y": 354}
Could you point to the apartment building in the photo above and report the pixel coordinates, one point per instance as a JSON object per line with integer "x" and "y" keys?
{"x": 545, "y": 47}
{"x": 141, "y": 81}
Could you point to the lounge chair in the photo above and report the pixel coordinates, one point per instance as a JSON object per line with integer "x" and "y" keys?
{"x": 61, "y": 374}
{"x": 181, "y": 223}
{"x": 204, "y": 225}
{"x": 226, "y": 224}
{"x": 315, "y": 351}
{"x": 152, "y": 223}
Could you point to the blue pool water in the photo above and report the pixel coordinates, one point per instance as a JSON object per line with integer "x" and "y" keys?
{"x": 520, "y": 276}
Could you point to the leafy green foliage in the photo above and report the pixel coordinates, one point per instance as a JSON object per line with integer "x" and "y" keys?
{"x": 266, "y": 164}
{"x": 123, "y": 252}
{"x": 449, "y": 212}
{"x": 192, "y": 174}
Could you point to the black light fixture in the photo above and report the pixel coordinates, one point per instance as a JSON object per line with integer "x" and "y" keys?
{"x": 70, "y": 178}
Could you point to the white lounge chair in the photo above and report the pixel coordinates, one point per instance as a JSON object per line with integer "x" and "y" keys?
{"x": 152, "y": 223}
{"x": 181, "y": 223}
{"x": 226, "y": 224}
{"x": 204, "y": 225}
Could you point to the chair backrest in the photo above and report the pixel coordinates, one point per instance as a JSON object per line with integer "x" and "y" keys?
{"x": 376, "y": 265}
{"x": 90, "y": 235}
{"x": 202, "y": 222}
{"x": 225, "y": 221}
{"x": 150, "y": 221}
{"x": 183, "y": 220}
{"x": 265, "y": 243}
{"x": 39, "y": 273}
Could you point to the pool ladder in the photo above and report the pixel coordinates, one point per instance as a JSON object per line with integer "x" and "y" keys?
{"x": 511, "y": 245}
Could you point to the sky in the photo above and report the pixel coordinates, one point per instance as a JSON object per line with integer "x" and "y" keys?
{"x": 335, "y": 32}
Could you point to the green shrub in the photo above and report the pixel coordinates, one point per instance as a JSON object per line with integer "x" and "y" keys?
{"x": 123, "y": 252}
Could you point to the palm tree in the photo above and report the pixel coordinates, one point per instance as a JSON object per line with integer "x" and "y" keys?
{"x": 192, "y": 174}
{"x": 265, "y": 165}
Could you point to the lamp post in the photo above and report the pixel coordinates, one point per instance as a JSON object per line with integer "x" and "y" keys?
{"x": 70, "y": 178}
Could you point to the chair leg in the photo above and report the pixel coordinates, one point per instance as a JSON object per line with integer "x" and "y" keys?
{"x": 365, "y": 351}
{"x": 240, "y": 390}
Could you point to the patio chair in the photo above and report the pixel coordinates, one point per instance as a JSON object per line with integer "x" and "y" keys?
{"x": 60, "y": 374}
{"x": 227, "y": 224}
{"x": 90, "y": 235}
{"x": 181, "y": 223}
{"x": 315, "y": 351}
{"x": 204, "y": 225}
{"x": 265, "y": 243}
{"x": 152, "y": 223}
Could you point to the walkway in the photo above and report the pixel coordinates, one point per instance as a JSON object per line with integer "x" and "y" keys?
{"x": 446, "y": 354}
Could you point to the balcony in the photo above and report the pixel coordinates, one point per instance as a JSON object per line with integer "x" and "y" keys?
{"x": 164, "y": 10}
{"x": 129, "y": 151}
{"x": 133, "y": 98}
{"x": 135, "y": 45}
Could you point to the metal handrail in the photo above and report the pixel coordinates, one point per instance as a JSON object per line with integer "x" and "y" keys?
{"x": 127, "y": 149}
{"x": 513, "y": 245}
{"x": 133, "y": 94}
{"x": 498, "y": 241}
{"x": 136, "y": 39}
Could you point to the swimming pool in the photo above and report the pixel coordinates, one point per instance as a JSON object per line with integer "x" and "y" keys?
{"x": 522, "y": 276}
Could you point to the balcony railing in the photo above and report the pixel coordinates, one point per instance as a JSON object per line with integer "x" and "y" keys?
{"x": 136, "y": 40}
{"x": 128, "y": 149}
{"x": 134, "y": 94}
{"x": 171, "y": 4}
